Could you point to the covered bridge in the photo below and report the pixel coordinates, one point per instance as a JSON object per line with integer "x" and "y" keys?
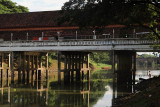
{"x": 38, "y": 25}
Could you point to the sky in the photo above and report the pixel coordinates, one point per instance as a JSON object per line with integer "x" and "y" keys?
{"x": 41, "y": 5}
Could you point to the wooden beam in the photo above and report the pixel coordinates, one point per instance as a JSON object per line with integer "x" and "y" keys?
{"x": 39, "y": 28}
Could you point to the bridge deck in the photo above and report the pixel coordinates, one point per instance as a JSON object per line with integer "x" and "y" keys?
{"x": 79, "y": 45}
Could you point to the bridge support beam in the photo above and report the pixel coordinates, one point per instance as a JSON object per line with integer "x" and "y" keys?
{"x": 11, "y": 58}
{"x": 59, "y": 66}
{"x": 126, "y": 63}
{"x": 47, "y": 72}
{"x": 19, "y": 70}
{"x": 2, "y": 68}
{"x": 21, "y": 66}
{"x": 87, "y": 66}
{"x": 113, "y": 61}
{"x": 76, "y": 64}
{"x": 25, "y": 63}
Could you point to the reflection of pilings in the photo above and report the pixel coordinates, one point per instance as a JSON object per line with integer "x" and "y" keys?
{"x": 78, "y": 97}
{"x": 9, "y": 90}
{"x": 2, "y": 94}
{"x": 33, "y": 97}
{"x": 47, "y": 87}
{"x": 114, "y": 88}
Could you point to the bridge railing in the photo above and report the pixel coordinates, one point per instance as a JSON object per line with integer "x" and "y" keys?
{"x": 78, "y": 43}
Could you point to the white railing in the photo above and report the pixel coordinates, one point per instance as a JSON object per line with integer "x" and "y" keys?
{"x": 78, "y": 43}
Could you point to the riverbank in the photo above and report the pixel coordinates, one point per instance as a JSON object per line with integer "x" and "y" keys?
{"x": 93, "y": 65}
{"x": 146, "y": 95}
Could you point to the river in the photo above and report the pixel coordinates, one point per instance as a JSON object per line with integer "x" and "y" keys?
{"x": 100, "y": 91}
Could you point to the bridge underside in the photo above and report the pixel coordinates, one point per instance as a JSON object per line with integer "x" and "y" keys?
{"x": 125, "y": 62}
{"x": 138, "y": 48}
{"x": 33, "y": 66}
{"x": 75, "y": 59}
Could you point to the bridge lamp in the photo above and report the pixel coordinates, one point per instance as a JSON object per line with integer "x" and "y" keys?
{"x": 76, "y": 35}
{"x": 27, "y": 36}
{"x": 42, "y": 35}
{"x": 11, "y": 36}
{"x": 94, "y": 36}
{"x": 58, "y": 33}
{"x": 113, "y": 33}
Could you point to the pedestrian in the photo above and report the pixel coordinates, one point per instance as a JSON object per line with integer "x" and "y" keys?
{"x": 149, "y": 74}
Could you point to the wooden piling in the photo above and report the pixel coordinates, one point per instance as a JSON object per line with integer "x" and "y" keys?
{"x": 59, "y": 66}
{"x": 12, "y": 66}
{"x": 47, "y": 72}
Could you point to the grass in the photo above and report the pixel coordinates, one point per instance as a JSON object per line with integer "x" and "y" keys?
{"x": 54, "y": 65}
{"x": 99, "y": 65}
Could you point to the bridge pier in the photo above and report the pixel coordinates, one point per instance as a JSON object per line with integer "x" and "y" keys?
{"x": 23, "y": 67}
{"x": 19, "y": 70}
{"x": 126, "y": 66}
{"x": 75, "y": 63}
{"x": 25, "y": 63}
{"x": 59, "y": 66}
{"x": 12, "y": 66}
{"x": 2, "y": 68}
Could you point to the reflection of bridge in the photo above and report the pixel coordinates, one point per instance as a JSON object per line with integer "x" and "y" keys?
{"x": 42, "y": 95}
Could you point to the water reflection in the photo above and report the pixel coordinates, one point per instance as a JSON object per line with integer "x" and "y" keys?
{"x": 102, "y": 90}
{"x": 106, "y": 99}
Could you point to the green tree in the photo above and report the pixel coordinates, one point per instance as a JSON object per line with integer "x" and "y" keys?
{"x": 7, "y": 6}
{"x": 100, "y": 57}
{"x": 99, "y": 13}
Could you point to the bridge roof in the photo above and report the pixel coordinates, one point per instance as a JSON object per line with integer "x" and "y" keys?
{"x": 45, "y": 20}
{"x": 29, "y": 19}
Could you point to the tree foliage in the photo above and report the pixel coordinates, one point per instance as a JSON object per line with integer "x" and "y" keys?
{"x": 99, "y": 13}
{"x": 100, "y": 57}
{"x": 7, "y": 6}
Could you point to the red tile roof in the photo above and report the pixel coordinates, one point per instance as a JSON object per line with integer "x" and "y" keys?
{"x": 29, "y": 20}
{"x": 45, "y": 20}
